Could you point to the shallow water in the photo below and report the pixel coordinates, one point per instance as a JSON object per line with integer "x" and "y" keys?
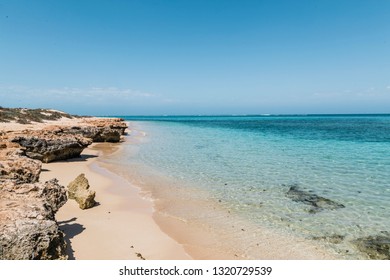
{"x": 249, "y": 164}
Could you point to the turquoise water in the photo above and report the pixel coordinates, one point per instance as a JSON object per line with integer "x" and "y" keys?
{"x": 250, "y": 163}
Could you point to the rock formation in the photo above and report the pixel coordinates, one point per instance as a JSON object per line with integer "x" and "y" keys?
{"x": 79, "y": 190}
{"x": 16, "y": 167}
{"x": 27, "y": 225}
{"x": 99, "y": 130}
{"x": 61, "y": 142}
{"x": 48, "y": 147}
{"x": 28, "y": 229}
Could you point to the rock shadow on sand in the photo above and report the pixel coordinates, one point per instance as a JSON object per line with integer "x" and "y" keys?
{"x": 81, "y": 158}
{"x": 70, "y": 230}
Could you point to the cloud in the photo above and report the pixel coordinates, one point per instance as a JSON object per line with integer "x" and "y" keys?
{"x": 91, "y": 94}
{"x": 369, "y": 93}
{"x": 82, "y": 101}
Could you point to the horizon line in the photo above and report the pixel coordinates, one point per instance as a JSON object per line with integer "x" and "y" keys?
{"x": 245, "y": 115}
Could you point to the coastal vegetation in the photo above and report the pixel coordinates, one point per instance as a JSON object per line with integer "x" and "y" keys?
{"x": 27, "y": 116}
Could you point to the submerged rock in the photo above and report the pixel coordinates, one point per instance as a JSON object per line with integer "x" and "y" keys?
{"x": 376, "y": 247}
{"x": 27, "y": 225}
{"x": 79, "y": 190}
{"x": 318, "y": 203}
{"x": 334, "y": 238}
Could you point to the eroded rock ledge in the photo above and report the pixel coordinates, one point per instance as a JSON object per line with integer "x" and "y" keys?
{"x": 61, "y": 142}
{"x": 48, "y": 147}
{"x": 27, "y": 225}
{"x": 28, "y": 229}
{"x": 16, "y": 167}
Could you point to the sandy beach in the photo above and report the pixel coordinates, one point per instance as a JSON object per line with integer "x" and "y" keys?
{"x": 120, "y": 226}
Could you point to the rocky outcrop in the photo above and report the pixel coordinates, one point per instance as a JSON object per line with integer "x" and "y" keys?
{"x": 99, "y": 130}
{"x": 28, "y": 229}
{"x": 56, "y": 142}
{"x": 376, "y": 247}
{"x": 48, "y": 147}
{"x": 27, "y": 225}
{"x": 317, "y": 203}
{"x": 111, "y": 123}
{"x": 79, "y": 190}
{"x": 16, "y": 167}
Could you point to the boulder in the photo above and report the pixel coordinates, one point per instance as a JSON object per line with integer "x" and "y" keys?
{"x": 27, "y": 225}
{"x": 79, "y": 190}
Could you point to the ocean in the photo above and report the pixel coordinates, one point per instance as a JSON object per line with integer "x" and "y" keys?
{"x": 323, "y": 178}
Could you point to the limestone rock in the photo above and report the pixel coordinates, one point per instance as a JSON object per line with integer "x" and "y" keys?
{"x": 50, "y": 147}
{"x": 61, "y": 142}
{"x": 27, "y": 225}
{"x": 79, "y": 190}
{"x": 99, "y": 130}
{"x": 111, "y": 123}
{"x": 16, "y": 167}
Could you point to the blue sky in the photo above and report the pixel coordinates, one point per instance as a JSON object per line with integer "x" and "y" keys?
{"x": 196, "y": 57}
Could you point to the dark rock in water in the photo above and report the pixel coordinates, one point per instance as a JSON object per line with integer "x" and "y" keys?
{"x": 376, "y": 247}
{"x": 318, "y": 203}
{"x": 334, "y": 238}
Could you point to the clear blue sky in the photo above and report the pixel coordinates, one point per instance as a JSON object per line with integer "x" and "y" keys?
{"x": 196, "y": 57}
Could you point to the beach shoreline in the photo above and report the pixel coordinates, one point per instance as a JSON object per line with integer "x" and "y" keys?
{"x": 120, "y": 226}
{"x": 210, "y": 232}
{"x": 139, "y": 215}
